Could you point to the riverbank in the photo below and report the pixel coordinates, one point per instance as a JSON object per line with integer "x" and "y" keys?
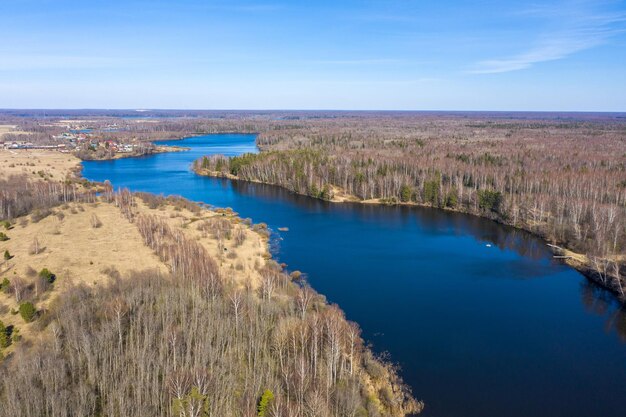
{"x": 157, "y": 150}
{"x": 578, "y": 261}
{"x": 101, "y": 247}
{"x": 122, "y": 155}
{"x": 420, "y": 280}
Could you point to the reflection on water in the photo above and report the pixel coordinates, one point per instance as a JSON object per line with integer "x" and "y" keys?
{"x": 482, "y": 320}
{"x": 600, "y": 302}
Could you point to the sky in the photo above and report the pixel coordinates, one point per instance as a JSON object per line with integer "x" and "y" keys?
{"x": 502, "y": 55}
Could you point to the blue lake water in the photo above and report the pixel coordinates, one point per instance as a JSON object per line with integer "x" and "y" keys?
{"x": 478, "y": 331}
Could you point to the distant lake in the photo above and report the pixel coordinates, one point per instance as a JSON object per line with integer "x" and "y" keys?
{"x": 481, "y": 319}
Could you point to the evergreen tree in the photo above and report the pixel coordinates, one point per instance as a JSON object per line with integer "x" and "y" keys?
{"x": 264, "y": 403}
{"x": 28, "y": 311}
{"x": 4, "y": 336}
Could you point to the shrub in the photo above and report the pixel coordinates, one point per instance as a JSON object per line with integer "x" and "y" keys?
{"x": 28, "y": 311}
{"x": 3, "y": 237}
{"x": 35, "y": 247}
{"x": 374, "y": 368}
{"x": 295, "y": 275}
{"x": 5, "y": 285}
{"x": 95, "y": 221}
{"x": 264, "y": 403}
{"x": 39, "y": 215}
{"x": 6, "y": 224}
{"x": 326, "y": 193}
{"x": 195, "y": 400}
{"x": 5, "y": 339}
{"x": 7, "y": 255}
{"x": 30, "y": 272}
{"x": 47, "y": 275}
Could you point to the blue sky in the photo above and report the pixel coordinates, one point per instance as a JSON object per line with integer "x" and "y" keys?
{"x": 367, "y": 54}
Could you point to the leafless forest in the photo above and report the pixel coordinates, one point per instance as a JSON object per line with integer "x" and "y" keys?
{"x": 559, "y": 175}
{"x": 194, "y": 342}
{"x": 190, "y": 343}
{"x": 158, "y": 345}
{"x": 563, "y": 178}
{"x": 20, "y": 196}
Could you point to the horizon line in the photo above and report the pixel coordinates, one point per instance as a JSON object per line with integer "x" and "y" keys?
{"x": 146, "y": 110}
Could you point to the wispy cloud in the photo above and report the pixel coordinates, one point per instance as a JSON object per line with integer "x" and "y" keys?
{"x": 579, "y": 28}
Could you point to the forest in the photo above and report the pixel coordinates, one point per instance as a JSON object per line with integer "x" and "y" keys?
{"x": 562, "y": 178}
{"x": 192, "y": 342}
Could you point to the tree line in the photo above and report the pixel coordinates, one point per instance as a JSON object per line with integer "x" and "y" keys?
{"x": 20, "y": 196}
{"x": 194, "y": 342}
{"x": 562, "y": 180}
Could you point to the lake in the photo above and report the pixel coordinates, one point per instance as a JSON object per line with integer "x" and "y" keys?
{"x": 481, "y": 319}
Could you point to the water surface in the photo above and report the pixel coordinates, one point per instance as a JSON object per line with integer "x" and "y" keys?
{"x": 480, "y": 318}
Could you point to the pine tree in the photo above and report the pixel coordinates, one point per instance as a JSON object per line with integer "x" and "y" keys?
{"x": 264, "y": 403}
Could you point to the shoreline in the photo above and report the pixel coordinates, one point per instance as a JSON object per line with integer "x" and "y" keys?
{"x": 104, "y": 220}
{"x": 123, "y": 155}
{"x": 195, "y": 135}
{"x": 579, "y": 262}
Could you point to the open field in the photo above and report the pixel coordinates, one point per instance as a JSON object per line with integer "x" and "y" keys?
{"x": 104, "y": 292}
{"x": 558, "y": 175}
{"x": 38, "y": 164}
{"x": 11, "y": 129}
{"x": 87, "y": 244}
{"x": 83, "y": 243}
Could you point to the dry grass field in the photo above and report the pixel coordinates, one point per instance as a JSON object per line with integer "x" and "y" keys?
{"x": 106, "y": 284}
{"x": 13, "y": 129}
{"x": 92, "y": 243}
{"x": 38, "y": 164}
